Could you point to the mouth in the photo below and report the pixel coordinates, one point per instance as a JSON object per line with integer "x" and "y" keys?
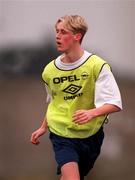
{"x": 58, "y": 43}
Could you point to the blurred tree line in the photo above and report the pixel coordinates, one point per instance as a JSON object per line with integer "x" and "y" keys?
{"x": 26, "y": 60}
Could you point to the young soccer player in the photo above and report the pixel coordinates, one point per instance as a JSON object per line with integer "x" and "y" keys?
{"x": 83, "y": 93}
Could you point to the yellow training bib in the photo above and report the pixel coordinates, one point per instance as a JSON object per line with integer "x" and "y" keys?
{"x": 72, "y": 90}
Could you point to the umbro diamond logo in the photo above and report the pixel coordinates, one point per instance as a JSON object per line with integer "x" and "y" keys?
{"x": 72, "y": 89}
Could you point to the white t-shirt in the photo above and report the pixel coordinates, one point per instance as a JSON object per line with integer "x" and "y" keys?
{"x": 106, "y": 88}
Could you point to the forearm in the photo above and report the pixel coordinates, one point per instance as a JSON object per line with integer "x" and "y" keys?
{"x": 44, "y": 124}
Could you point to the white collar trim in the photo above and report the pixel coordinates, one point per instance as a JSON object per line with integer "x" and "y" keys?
{"x": 69, "y": 66}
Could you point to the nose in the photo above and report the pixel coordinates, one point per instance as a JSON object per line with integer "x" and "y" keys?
{"x": 57, "y": 36}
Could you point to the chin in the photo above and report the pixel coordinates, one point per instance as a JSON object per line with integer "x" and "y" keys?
{"x": 60, "y": 50}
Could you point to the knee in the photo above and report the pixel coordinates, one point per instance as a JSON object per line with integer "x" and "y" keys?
{"x": 70, "y": 171}
{"x": 69, "y": 178}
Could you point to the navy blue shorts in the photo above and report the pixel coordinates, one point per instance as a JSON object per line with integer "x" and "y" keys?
{"x": 83, "y": 151}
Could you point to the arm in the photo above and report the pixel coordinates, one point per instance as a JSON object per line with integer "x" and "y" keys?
{"x": 107, "y": 98}
{"x": 43, "y": 128}
{"x": 84, "y": 116}
{"x": 39, "y": 132}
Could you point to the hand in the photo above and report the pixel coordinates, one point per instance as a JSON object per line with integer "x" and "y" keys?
{"x": 36, "y": 134}
{"x": 83, "y": 116}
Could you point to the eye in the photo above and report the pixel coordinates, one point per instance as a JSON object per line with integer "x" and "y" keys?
{"x": 63, "y": 31}
{"x": 57, "y": 31}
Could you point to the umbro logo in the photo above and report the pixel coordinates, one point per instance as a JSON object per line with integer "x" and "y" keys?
{"x": 72, "y": 89}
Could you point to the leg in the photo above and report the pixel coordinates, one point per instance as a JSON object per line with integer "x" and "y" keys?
{"x": 70, "y": 171}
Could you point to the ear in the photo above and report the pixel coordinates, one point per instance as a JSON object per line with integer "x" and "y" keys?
{"x": 78, "y": 36}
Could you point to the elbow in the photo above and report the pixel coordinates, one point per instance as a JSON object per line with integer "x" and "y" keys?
{"x": 112, "y": 108}
{"x": 117, "y": 108}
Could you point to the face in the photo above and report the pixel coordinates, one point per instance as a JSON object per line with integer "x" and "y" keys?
{"x": 65, "y": 39}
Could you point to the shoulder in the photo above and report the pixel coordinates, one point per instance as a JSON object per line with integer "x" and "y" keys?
{"x": 98, "y": 64}
{"x": 47, "y": 69}
{"x": 95, "y": 59}
{"x": 49, "y": 65}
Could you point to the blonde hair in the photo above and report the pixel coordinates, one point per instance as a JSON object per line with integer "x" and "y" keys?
{"x": 74, "y": 23}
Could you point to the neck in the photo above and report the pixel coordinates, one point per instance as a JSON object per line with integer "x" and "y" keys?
{"x": 72, "y": 56}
